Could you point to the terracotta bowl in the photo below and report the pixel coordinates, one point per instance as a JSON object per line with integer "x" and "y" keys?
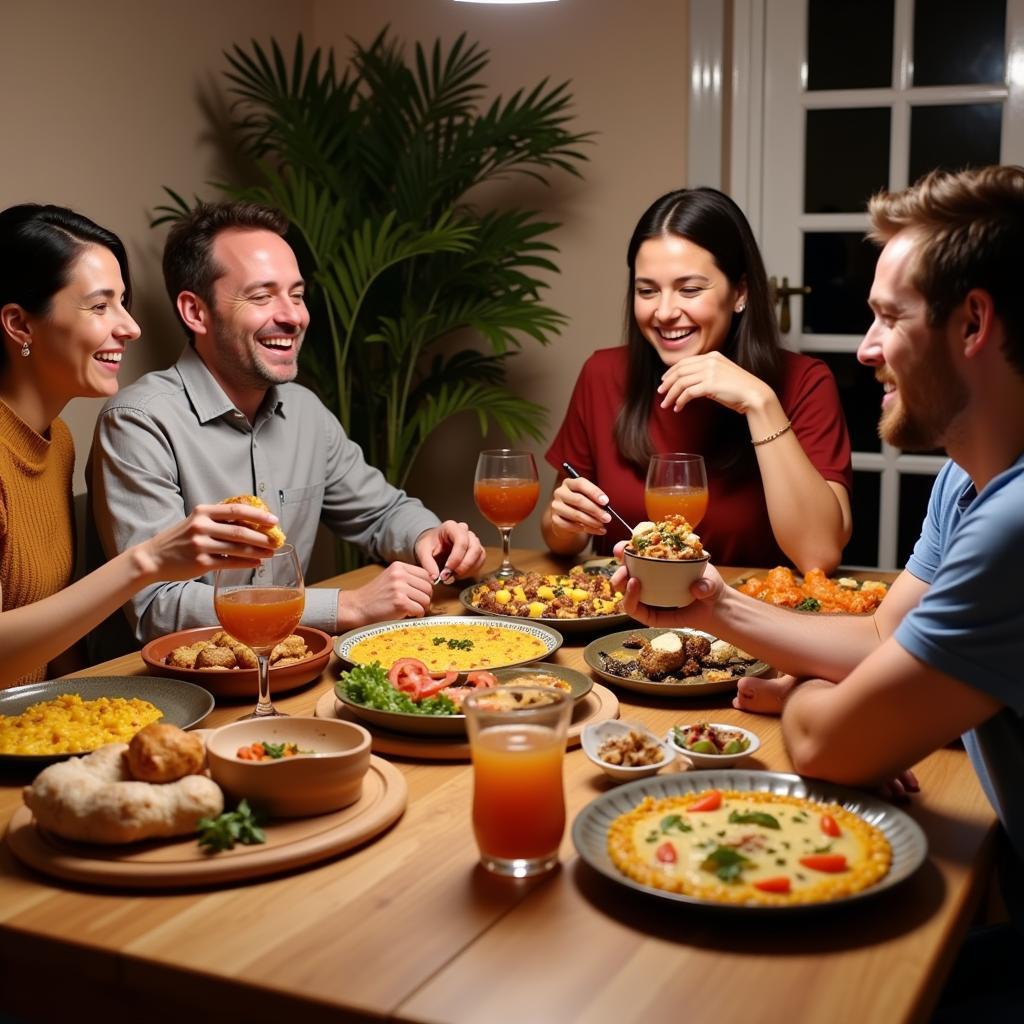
{"x": 665, "y": 583}
{"x": 239, "y": 682}
{"x": 326, "y": 780}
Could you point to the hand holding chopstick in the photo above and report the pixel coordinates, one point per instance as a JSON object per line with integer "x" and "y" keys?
{"x": 576, "y": 476}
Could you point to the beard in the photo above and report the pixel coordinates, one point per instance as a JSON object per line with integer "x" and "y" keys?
{"x": 252, "y": 372}
{"x": 926, "y": 404}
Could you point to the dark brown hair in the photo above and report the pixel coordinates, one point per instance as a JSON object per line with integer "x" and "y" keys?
{"x": 970, "y": 234}
{"x": 188, "y": 263}
{"x": 710, "y": 219}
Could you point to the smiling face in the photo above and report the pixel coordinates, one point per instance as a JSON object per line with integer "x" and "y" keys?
{"x": 912, "y": 359}
{"x": 76, "y": 347}
{"x": 682, "y": 303}
{"x": 258, "y": 317}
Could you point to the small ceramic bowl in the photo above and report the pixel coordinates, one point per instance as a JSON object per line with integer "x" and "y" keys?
{"x": 593, "y": 736}
{"x": 290, "y": 787}
{"x": 665, "y": 583}
{"x": 699, "y": 760}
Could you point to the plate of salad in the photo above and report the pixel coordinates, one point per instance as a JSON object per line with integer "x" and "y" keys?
{"x": 408, "y": 699}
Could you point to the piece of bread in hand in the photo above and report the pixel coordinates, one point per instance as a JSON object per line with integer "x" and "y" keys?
{"x": 274, "y": 533}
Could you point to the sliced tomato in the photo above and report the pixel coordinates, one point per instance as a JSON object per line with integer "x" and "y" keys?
{"x": 436, "y": 683}
{"x": 410, "y": 676}
{"x": 482, "y": 679}
{"x": 666, "y": 853}
{"x": 829, "y": 826}
{"x": 828, "y": 862}
{"x": 710, "y": 801}
{"x": 779, "y": 883}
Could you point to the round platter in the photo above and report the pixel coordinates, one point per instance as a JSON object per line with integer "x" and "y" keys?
{"x": 455, "y": 725}
{"x": 599, "y": 705}
{"x": 586, "y": 624}
{"x": 239, "y": 682}
{"x": 183, "y": 704}
{"x": 694, "y": 686}
{"x": 173, "y": 863}
{"x": 433, "y": 626}
{"x": 590, "y": 829}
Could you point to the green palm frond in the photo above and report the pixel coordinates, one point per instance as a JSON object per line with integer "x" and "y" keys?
{"x": 374, "y": 165}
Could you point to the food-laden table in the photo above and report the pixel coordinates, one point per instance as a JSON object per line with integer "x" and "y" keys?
{"x": 409, "y": 928}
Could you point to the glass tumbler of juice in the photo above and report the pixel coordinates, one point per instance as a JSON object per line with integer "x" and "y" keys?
{"x": 517, "y": 740}
{"x": 677, "y": 484}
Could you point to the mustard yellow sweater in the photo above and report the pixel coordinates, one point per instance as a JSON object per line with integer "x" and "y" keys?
{"x": 37, "y": 524}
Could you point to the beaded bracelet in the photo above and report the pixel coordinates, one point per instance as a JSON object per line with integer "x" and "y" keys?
{"x": 771, "y": 437}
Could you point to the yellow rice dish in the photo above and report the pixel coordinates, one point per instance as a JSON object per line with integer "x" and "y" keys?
{"x": 444, "y": 647}
{"x": 69, "y": 725}
{"x": 736, "y": 847}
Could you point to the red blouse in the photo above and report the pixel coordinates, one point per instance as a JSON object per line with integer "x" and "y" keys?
{"x": 736, "y": 529}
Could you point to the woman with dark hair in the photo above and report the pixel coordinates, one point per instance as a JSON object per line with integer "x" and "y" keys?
{"x": 703, "y": 371}
{"x": 64, "y": 325}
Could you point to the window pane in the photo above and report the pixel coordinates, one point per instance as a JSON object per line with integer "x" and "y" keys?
{"x": 861, "y": 396}
{"x": 847, "y": 158}
{"x": 959, "y": 44}
{"x": 839, "y": 267}
{"x": 849, "y": 44}
{"x": 915, "y": 489}
{"x": 864, "y": 502}
{"x": 954, "y": 137}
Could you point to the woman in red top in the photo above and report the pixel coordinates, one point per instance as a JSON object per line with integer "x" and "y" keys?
{"x": 703, "y": 371}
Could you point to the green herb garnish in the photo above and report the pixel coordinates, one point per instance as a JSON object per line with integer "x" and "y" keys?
{"x": 809, "y": 604}
{"x": 726, "y": 863}
{"x": 674, "y": 823}
{"x": 238, "y": 826}
{"x": 753, "y": 818}
{"x": 453, "y": 645}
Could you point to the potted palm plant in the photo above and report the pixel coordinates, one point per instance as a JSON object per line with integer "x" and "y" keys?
{"x": 373, "y": 167}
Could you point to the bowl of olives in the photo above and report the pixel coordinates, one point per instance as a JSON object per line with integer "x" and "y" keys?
{"x": 713, "y": 744}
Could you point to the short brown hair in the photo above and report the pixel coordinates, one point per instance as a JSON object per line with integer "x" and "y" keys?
{"x": 970, "y": 230}
{"x": 188, "y": 253}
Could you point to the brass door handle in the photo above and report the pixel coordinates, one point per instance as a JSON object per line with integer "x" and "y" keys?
{"x": 781, "y": 293}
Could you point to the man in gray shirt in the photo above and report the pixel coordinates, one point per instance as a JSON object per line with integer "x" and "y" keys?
{"x": 227, "y": 419}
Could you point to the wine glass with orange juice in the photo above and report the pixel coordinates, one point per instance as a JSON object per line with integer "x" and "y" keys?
{"x": 505, "y": 490}
{"x": 260, "y": 610}
{"x": 677, "y": 484}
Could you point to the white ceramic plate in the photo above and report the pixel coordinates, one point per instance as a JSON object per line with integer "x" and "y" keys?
{"x": 590, "y": 829}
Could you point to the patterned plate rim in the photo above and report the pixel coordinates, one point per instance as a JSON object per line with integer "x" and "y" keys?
{"x": 590, "y": 827}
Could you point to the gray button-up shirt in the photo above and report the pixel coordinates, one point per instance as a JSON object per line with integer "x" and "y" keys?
{"x": 173, "y": 440}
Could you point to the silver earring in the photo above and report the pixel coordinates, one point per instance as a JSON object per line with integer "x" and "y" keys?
{"x": 25, "y": 350}
{"x": 742, "y": 306}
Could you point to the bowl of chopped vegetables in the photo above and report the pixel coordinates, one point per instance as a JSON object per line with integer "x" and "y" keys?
{"x": 290, "y": 767}
{"x": 625, "y": 750}
{"x": 666, "y": 557}
{"x": 712, "y": 744}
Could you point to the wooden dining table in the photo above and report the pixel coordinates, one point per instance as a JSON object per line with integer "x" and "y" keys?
{"x": 408, "y": 927}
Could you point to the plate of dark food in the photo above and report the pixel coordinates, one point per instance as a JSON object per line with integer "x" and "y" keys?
{"x": 670, "y": 662}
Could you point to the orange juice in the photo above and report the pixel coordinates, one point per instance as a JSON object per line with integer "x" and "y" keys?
{"x": 690, "y": 502}
{"x": 518, "y": 801}
{"x": 260, "y": 616}
{"x": 506, "y": 501}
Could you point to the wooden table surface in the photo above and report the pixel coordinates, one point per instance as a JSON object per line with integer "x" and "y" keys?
{"x": 410, "y": 928}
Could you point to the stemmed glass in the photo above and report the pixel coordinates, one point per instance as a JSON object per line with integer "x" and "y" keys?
{"x": 677, "y": 484}
{"x": 505, "y": 490}
{"x": 260, "y": 610}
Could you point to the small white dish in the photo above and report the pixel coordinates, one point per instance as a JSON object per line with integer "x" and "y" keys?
{"x": 699, "y": 760}
{"x": 593, "y": 736}
{"x": 665, "y": 583}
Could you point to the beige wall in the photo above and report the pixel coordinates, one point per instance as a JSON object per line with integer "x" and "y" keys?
{"x": 118, "y": 109}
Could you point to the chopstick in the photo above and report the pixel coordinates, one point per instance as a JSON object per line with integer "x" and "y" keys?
{"x": 572, "y": 472}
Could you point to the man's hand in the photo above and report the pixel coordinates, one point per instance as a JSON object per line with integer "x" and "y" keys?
{"x": 698, "y": 615}
{"x": 455, "y": 546}
{"x": 401, "y": 591}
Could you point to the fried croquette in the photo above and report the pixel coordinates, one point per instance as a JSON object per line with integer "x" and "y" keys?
{"x": 163, "y": 753}
{"x": 212, "y": 656}
{"x": 274, "y": 533}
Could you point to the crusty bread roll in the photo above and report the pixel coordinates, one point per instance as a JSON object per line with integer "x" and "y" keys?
{"x": 93, "y": 799}
{"x": 275, "y": 533}
{"x": 163, "y": 753}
